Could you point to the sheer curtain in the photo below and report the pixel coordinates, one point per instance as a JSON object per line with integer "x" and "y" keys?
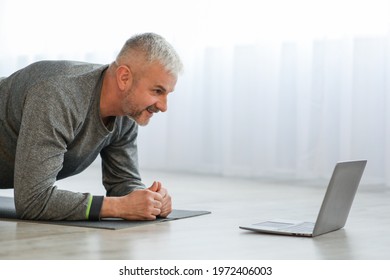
{"x": 271, "y": 89}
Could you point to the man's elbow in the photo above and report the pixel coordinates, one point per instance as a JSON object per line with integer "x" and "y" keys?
{"x": 24, "y": 212}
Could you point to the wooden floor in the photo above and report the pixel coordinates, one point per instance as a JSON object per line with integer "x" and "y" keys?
{"x": 232, "y": 201}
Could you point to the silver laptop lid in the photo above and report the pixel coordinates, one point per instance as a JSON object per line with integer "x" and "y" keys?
{"x": 339, "y": 196}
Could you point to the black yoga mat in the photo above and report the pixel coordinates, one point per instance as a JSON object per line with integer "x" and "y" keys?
{"x": 7, "y": 211}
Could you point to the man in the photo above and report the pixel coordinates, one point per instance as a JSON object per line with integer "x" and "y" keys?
{"x": 56, "y": 117}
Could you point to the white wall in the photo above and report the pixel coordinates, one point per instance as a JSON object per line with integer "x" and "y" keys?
{"x": 270, "y": 89}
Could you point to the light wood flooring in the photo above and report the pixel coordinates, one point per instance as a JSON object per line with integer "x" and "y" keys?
{"x": 232, "y": 201}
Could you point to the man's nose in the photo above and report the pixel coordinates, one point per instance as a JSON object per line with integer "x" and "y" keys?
{"x": 162, "y": 104}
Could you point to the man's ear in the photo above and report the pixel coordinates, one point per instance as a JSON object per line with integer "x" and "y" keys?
{"x": 124, "y": 77}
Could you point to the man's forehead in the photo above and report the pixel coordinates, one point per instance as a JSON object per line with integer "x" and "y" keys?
{"x": 162, "y": 78}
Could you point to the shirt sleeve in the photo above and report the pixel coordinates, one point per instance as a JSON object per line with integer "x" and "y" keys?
{"x": 120, "y": 161}
{"x": 47, "y": 127}
{"x": 94, "y": 207}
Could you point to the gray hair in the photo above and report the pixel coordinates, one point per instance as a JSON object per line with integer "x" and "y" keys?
{"x": 155, "y": 48}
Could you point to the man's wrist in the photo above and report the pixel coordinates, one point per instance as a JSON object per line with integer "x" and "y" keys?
{"x": 109, "y": 207}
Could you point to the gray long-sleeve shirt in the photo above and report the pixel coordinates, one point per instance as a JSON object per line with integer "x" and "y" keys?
{"x": 50, "y": 129}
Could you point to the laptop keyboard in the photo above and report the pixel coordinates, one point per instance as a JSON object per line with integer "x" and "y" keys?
{"x": 273, "y": 224}
{"x": 304, "y": 227}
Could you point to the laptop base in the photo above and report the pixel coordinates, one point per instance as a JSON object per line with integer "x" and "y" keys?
{"x": 284, "y": 227}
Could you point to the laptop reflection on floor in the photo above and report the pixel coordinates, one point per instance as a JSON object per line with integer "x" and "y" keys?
{"x": 334, "y": 210}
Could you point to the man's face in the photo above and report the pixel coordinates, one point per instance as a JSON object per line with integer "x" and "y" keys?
{"x": 148, "y": 94}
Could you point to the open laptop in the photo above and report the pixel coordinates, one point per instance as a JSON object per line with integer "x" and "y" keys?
{"x": 334, "y": 210}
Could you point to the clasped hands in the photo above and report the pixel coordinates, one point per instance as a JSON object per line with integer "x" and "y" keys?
{"x": 141, "y": 204}
{"x": 152, "y": 202}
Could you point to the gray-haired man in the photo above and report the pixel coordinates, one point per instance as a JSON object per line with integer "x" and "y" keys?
{"x": 56, "y": 117}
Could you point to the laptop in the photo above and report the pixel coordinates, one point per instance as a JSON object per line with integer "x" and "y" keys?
{"x": 334, "y": 210}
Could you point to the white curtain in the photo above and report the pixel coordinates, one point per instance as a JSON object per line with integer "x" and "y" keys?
{"x": 271, "y": 89}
